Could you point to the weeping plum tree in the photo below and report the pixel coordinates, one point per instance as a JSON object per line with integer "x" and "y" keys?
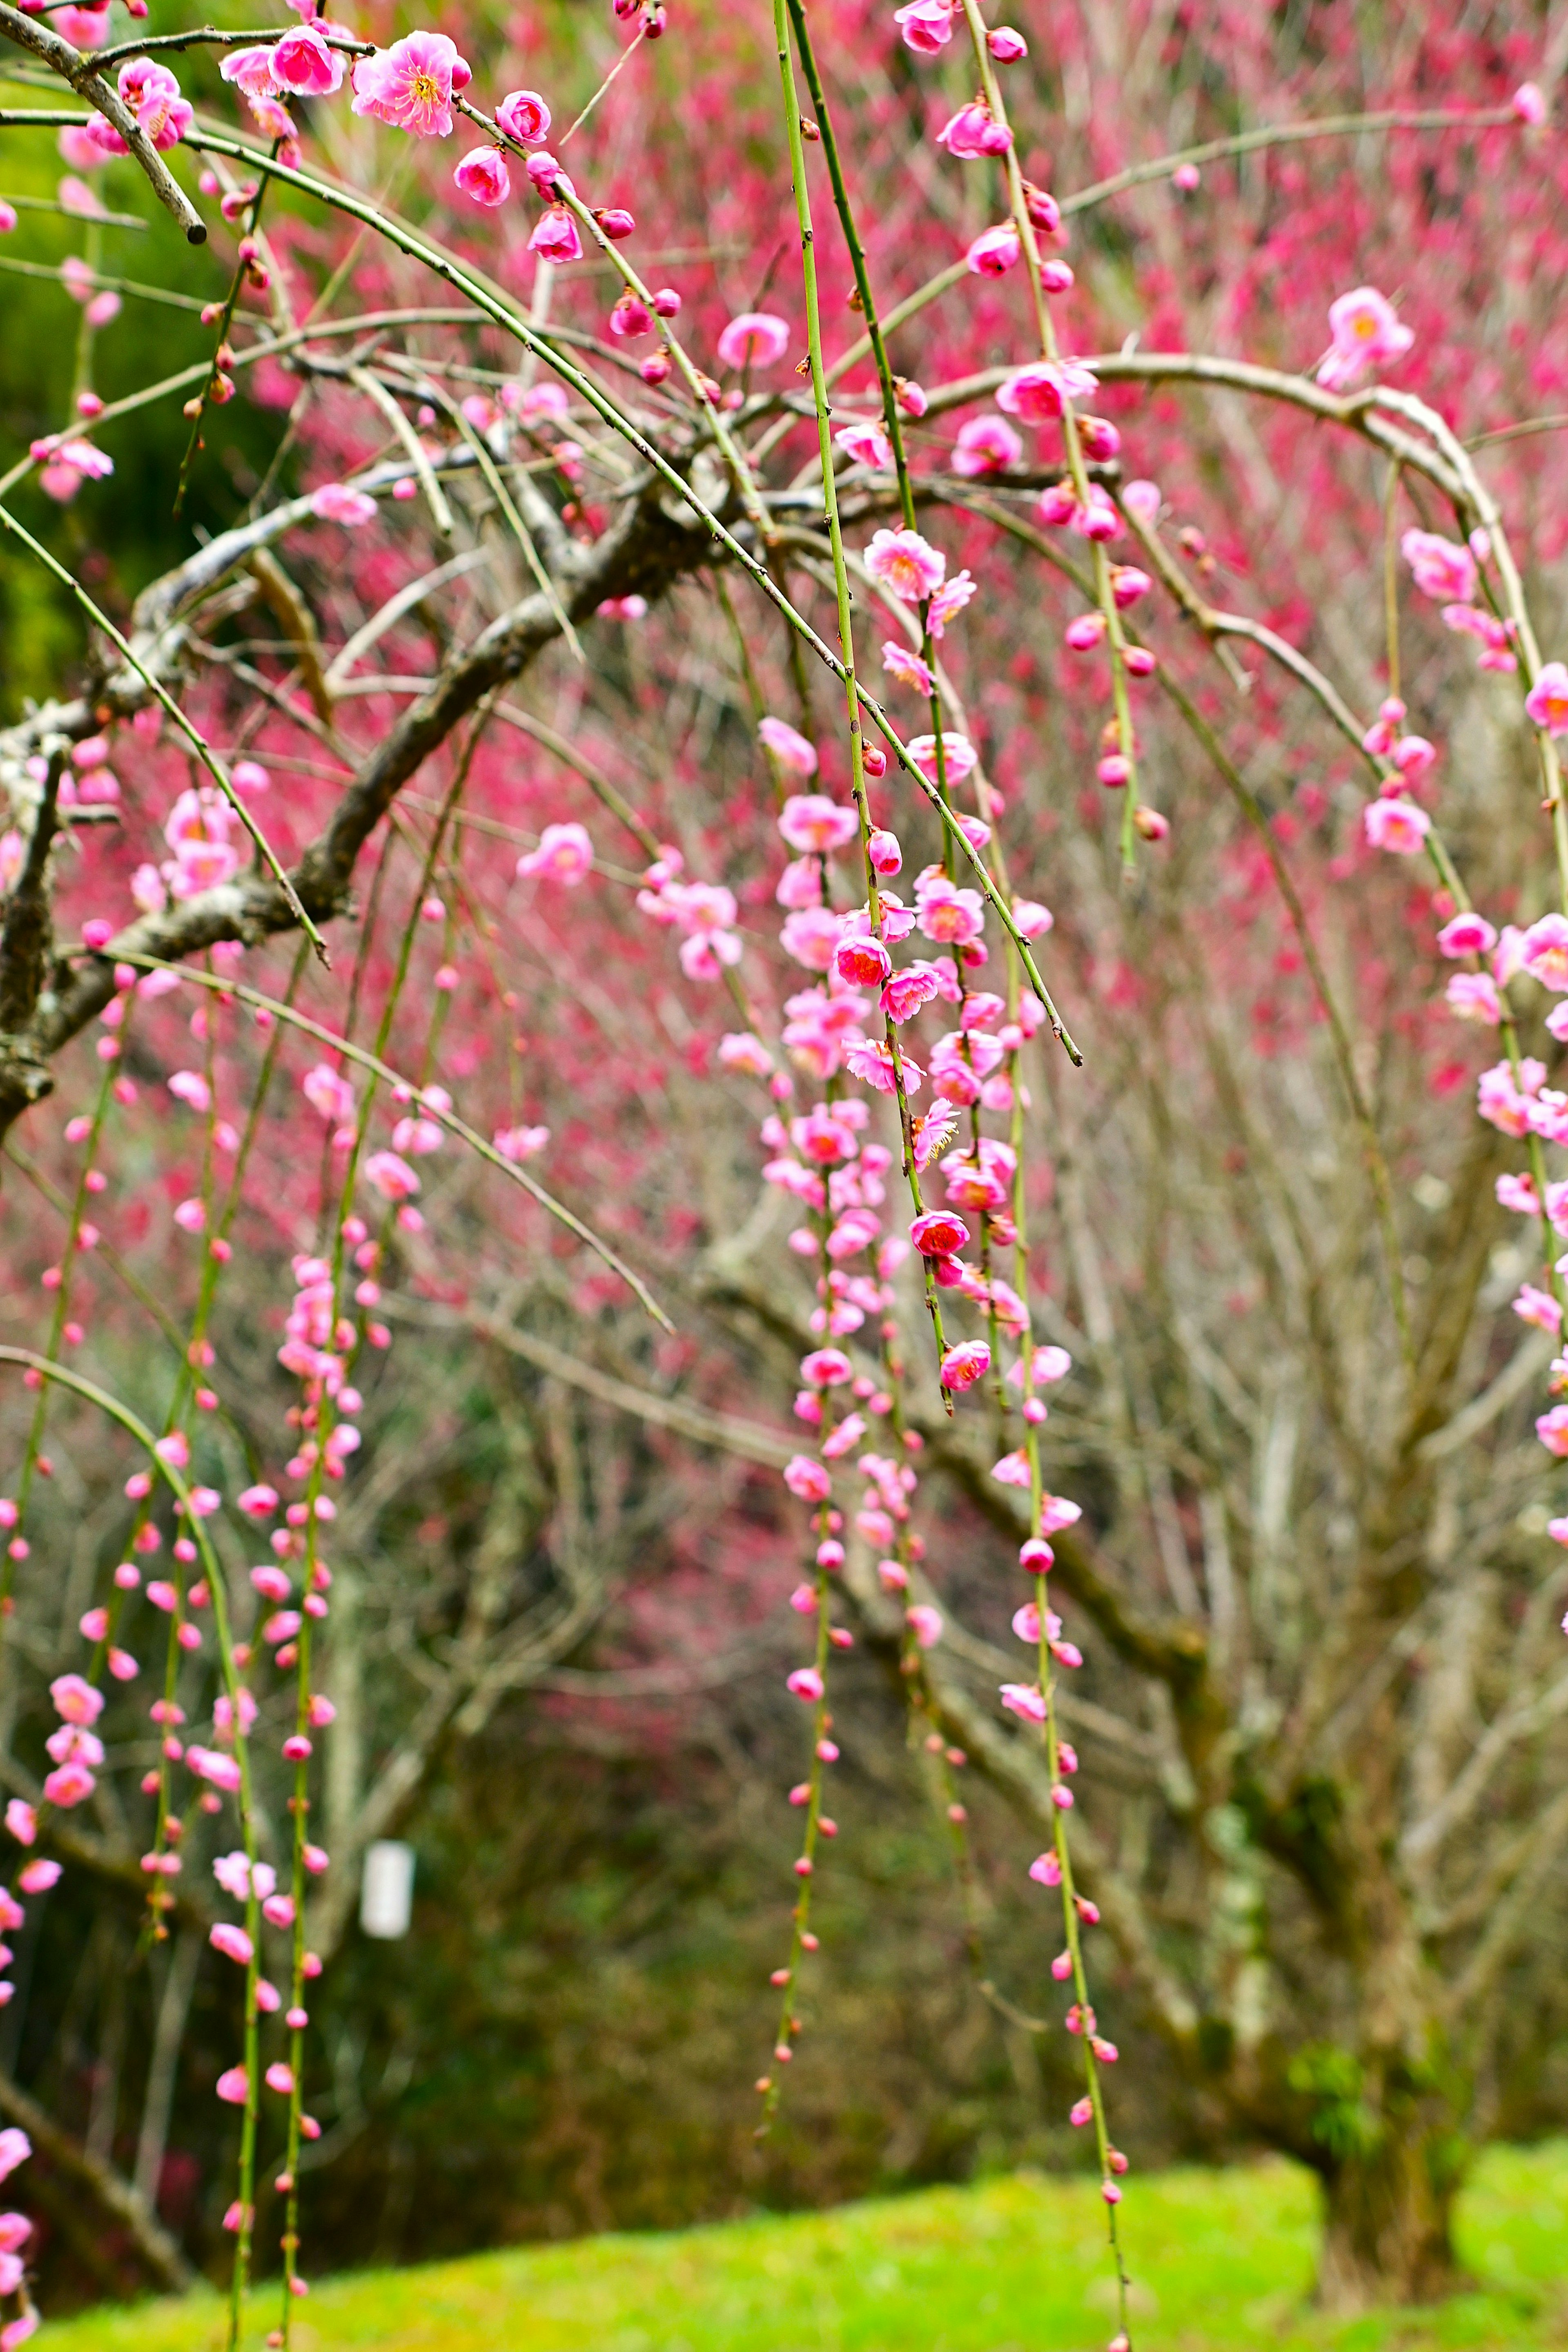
{"x": 733, "y": 810}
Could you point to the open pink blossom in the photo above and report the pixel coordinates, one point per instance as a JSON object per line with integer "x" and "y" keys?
{"x": 337, "y": 502}
{"x": 901, "y": 661}
{"x": 76, "y": 1700}
{"x": 812, "y": 824}
{"x": 1467, "y": 934}
{"x": 985, "y": 446}
{"x": 1547, "y": 701}
{"x": 1441, "y": 568}
{"x": 866, "y": 442}
{"x": 959, "y": 756}
{"x": 391, "y": 1176}
{"x": 303, "y": 65}
{"x": 965, "y": 1364}
{"x": 564, "y": 855}
{"x": 950, "y": 601}
{"x": 1396, "y": 825}
{"x": 1039, "y": 393}
{"x": 1473, "y": 996}
{"x": 794, "y": 755}
{"x": 483, "y": 177}
{"x": 755, "y": 339}
{"x": 1544, "y": 953}
{"x": 1366, "y": 333}
{"x": 1022, "y": 1698}
{"x": 907, "y": 564}
{"x": 410, "y": 85}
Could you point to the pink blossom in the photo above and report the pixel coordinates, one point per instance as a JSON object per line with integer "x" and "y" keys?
{"x": 1473, "y": 996}
{"x": 949, "y": 602}
{"x": 805, "y": 1683}
{"x": 866, "y": 442}
{"x": 556, "y": 237}
{"x": 410, "y": 85}
{"x": 1547, "y": 701}
{"x": 794, "y": 755}
{"x": 1039, "y": 393}
{"x": 76, "y": 1701}
{"x": 926, "y": 26}
{"x": 907, "y": 564}
{"x": 16, "y": 2148}
{"x": 911, "y": 987}
{"x": 1365, "y": 333}
{"x": 303, "y": 65}
{"x": 742, "y": 1051}
{"x": 965, "y": 1364}
{"x": 564, "y": 855}
{"x": 755, "y": 339}
{"x": 1022, "y": 1698}
{"x": 1545, "y": 952}
{"x": 868, "y": 1059}
{"x": 810, "y": 935}
{"x": 901, "y": 663}
{"x": 337, "y": 502}
{"x": 69, "y": 1784}
{"x": 234, "y": 2086}
{"x": 985, "y": 446}
{"x": 959, "y": 758}
{"x": 1537, "y": 1307}
{"x": 806, "y": 1480}
{"x": 21, "y": 1821}
{"x": 1528, "y": 104}
{"x": 1441, "y": 568}
{"x": 1552, "y": 1428}
{"x": 948, "y": 915}
{"x": 925, "y": 1624}
{"x": 993, "y": 252}
{"x": 392, "y": 1177}
{"x": 1396, "y": 825}
{"x": 523, "y": 116}
{"x": 482, "y": 176}
{"x": 1502, "y": 1104}
{"x": 1467, "y": 934}
{"x": 972, "y": 133}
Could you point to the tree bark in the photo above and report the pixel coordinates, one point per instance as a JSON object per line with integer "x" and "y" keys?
{"x": 1387, "y": 2217}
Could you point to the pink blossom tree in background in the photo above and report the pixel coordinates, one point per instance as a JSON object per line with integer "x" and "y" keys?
{"x": 875, "y": 777}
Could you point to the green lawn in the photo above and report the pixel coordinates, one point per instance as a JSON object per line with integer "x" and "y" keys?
{"x": 1221, "y": 2260}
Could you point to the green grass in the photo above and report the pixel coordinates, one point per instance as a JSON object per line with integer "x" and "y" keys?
{"x": 1221, "y": 2260}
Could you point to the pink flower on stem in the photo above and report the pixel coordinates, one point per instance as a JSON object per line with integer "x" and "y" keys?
{"x": 926, "y": 26}
{"x": 410, "y": 85}
{"x": 866, "y": 442}
{"x": 902, "y": 663}
{"x": 1467, "y": 934}
{"x": 1038, "y": 393}
{"x": 1528, "y": 104}
{"x": 1366, "y": 333}
{"x": 523, "y": 116}
{"x": 1441, "y": 568}
{"x": 1545, "y": 952}
{"x": 564, "y": 855}
{"x": 973, "y": 133}
{"x": 556, "y": 237}
{"x": 993, "y": 252}
{"x": 1547, "y": 701}
{"x": 337, "y": 502}
{"x": 925, "y": 1624}
{"x": 483, "y": 177}
{"x": 985, "y": 446}
{"x": 907, "y": 564}
{"x": 755, "y": 339}
{"x": 391, "y": 1176}
{"x": 1397, "y": 825}
{"x": 805, "y": 1683}
{"x": 76, "y": 1700}
{"x": 959, "y": 757}
{"x": 1473, "y": 996}
{"x": 965, "y": 1364}
{"x": 794, "y": 755}
{"x": 303, "y": 65}
{"x": 814, "y": 825}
